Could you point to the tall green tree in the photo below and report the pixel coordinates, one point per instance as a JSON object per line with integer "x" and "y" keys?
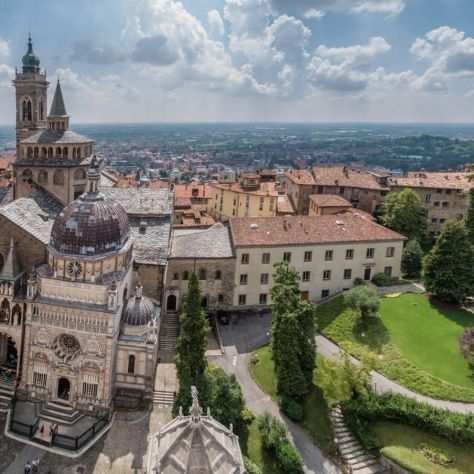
{"x": 191, "y": 361}
{"x": 470, "y": 216}
{"x": 403, "y": 212}
{"x": 449, "y": 265}
{"x": 293, "y": 331}
{"x": 412, "y": 259}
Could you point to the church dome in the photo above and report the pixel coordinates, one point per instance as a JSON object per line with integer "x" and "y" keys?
{"x": 92, "y": 225}
{"x": 139, "y": 311}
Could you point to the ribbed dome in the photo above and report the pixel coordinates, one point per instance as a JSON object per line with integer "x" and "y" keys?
{"x": 139, "y": 311}
{"x": 90, "y": 226}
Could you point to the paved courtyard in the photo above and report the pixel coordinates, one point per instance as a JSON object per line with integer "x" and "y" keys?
{"x": 122, "y": 451}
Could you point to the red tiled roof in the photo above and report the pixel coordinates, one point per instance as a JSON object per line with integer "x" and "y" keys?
{"x": 346, "y": 177}
{"x": 5, "y": 161}
{"x": 329, "y": 200}
{"x": 300, "y": 177}
{"x": 432, "y": 180}
{"x": 298, "y": 230}
{"x": 186, "y": 190}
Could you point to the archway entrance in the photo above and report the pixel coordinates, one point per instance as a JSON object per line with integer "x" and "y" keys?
{"x": 171, "y": 303}
{"x": 64, "y": 388}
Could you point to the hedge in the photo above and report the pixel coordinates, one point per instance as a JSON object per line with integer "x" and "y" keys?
{"x": 456, "y": 427}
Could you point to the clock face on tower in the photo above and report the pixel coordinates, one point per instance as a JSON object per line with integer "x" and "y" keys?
{"x": 74, "y": 269}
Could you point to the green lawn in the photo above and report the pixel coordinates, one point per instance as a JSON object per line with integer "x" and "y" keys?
{"x": 316, "y": 420}
{"x": 415, "y": 341}
{"x": 401, "y": 444}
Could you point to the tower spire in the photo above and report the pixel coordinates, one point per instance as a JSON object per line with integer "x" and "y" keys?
{"x": 58, "y": 109}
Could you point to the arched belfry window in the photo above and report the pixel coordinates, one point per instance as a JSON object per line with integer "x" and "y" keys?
{"x": 41, "y": 110}
{"x": 26, "y": 110}
{"x": 131, "y": 364}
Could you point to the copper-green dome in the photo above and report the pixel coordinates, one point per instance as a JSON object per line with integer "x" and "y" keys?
{"x": 31, "y": 62}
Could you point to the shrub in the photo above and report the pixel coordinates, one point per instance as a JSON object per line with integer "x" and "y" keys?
{"x": 466, "y": 342}
{"x": 288, "y": 458}
{"x": 364, "y": 300}
{"x": 380, "y": 279}
{"x": 251, "y": 467}
{"x": 273, "y": 431}
{"x": 435, "y": 455}
{"x": 275, "y": 439}
{"x": 456, "y": 427}
{"x": 359, "y": 282}
{"x": 412, "y": 259}
{"x": 292, "y": 408}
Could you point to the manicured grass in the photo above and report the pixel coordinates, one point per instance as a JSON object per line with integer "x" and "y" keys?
{"x": 252, "y": 447}
{"x": 401, "y": 444}
{"x": 416, "y": 343}
{"x": 316, "y": 420}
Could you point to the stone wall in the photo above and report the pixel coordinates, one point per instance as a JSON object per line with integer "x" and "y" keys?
{"x": 152, "y": 278}
{"x": 210, "y": 287}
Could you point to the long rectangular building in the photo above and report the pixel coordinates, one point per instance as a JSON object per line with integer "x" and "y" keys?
{"x": 329, "y": 252}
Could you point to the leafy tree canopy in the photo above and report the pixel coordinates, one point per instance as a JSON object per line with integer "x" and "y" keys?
{"x": 412, "y": 259}
{"x": 363, "y": 299}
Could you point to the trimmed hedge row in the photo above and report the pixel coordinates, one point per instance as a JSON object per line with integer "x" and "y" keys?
{"x": 456, "y": 427}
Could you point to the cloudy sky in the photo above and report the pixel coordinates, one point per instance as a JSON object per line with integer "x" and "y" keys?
{"x": 248, "y": 60}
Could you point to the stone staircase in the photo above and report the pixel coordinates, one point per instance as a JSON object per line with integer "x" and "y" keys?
{"x": 163, "y": 398}
{"x": 354, "y": 456}
{"x": 169, "y": 333}
{"x": 59, "y": 412}
{"x": 6, "y": 396}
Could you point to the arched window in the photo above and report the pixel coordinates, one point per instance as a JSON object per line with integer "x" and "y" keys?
{"x": 50, "y": 152}
{"x": 26, "y": 110}
{"x": 58, "y": 178}
{"x": 131, "y": 364}
{"x": 44, "y": 152}
{"x": 5, "y": 312}
{"x": 65, "y": 152}
{"x": 78, "y": 153}
{"x": 29, "y": 152}
{"x": 43, "y": 177}
{"x": 30, "y": 112}
{"x": 79, "y": 174}
{"x": 58, "y": 151}
{"x": 40, "y": 110}
{"x": 36, "y": 152}
{"x": 27, "y": 175}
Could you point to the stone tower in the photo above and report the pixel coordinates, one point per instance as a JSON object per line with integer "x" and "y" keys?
{"x": 31, "y": 96}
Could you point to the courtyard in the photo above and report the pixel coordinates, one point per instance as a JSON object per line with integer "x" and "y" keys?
{"x": 415, "y": 343}
{"x": 122, "y": 450}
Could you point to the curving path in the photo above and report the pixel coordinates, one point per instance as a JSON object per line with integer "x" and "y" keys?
{"x": 239, "y": 342}
{"x": 382, "y": 384}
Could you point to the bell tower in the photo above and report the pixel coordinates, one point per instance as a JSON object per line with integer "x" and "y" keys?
{"x": 31, "y": 97}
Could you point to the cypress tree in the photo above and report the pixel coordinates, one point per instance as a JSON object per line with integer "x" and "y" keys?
{"x": 293, "y": 331}
{"x": 470, "y": 216}
{"x": 412, "y": 259}
{"x": 191, "y": 346}
{"x": 448, "y": 267}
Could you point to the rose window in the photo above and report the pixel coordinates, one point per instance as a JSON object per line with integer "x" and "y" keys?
{"x": 66, "y": 347}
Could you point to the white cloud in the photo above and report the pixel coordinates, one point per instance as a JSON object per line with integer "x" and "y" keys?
{"x": 216, "y": 24}
{"x": 450, "y": 55}
{"x": 313, "y": 14}
{"x": 6, "y": 75}
{"x": 4, "y": 50}
{"x": 390, "y": 7}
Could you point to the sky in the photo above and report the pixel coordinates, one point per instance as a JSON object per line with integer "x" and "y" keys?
{"x": 247, "y": 60}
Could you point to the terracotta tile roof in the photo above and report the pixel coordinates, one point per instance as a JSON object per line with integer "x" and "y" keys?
{"x": 5, "y": 161}
{"x": 329, "y": 200}
{"x": 197, "y": 190}
{"x": 299, "y": 230}
{"x": 346, "y": 177}
{"x": 263, "y": 190}
{"x": 447, "y": 180}
{"x": 300, "y": 177}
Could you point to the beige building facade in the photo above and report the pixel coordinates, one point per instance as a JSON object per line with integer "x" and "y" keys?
{"x": 329, "y": 253}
